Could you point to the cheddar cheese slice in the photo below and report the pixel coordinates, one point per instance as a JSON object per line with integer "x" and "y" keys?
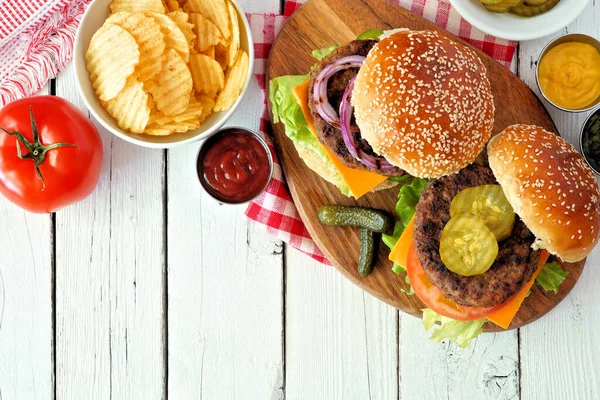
{"x": 360, "y": 182}
{"x": 505, "y": 315}
{"x": 399, "y": 253}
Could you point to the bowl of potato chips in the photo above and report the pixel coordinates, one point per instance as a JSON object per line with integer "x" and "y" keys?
{"x": 161, "y": 73}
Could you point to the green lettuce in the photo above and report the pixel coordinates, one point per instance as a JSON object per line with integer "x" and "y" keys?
{"x": 408, "y": 197}
{"x": 551, "y": 276}
{"x": 459, "y": 332}
{"x": 322, "y": 53}
{"x": 285, "y": 109}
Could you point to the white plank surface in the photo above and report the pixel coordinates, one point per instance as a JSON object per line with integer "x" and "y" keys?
{"x": 341, "y": 343}
{"x": 26, "y": 335}
{"x": 247, "y": 319}
{"x": 110, "y": 277}
{"x": 559, "y": 352}
{"x": 225, "y": 284}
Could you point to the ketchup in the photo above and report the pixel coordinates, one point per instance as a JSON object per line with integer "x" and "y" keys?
{"x": 235, "y": 166}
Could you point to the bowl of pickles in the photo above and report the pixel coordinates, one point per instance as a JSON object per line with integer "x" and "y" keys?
{"x": 519, "y": 19}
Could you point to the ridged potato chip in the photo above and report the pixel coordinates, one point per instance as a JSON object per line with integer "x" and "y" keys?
{"x": 159, "y": 130}
{"x": 149, "y": 37}
{"x": 137, "y": 6}
{"x": 214, "y": 10}
{"x": 171, "y": 5}
{"x": 111, "y": 59}
{"x": 207, "y": 33}
{"x": 184, "y": 23}
{"x": 208, "y": 104}
{"x": 174, "y": 37}
{"x": 192, "y": 112}
{"x": 234, "y": 45}
{"x": 222, "y": 55}
{"x": 210, "y": 52}
{"x": 171, "y": 88}
{"x": 207, "y": 74}
{"x": 234, "y": 82}
{"x": 130, "y": 107}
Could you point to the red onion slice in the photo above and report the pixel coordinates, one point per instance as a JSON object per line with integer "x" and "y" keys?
{"x": 324, "y": 108}
{"x": 346, "y": 111}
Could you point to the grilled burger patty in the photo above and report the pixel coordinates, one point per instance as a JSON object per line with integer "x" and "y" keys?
{"x": 329, "y": 135}
{"x": 516, "y": 261}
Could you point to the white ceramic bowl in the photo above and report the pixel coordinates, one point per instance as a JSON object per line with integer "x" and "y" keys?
{"x": 93, "y": 19}
{"x": 512, "y": 27}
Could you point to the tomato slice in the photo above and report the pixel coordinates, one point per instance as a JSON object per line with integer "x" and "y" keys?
{"x": 434, "y": 298}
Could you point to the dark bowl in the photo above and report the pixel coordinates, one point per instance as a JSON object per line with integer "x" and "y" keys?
{"x": 584, "y": 143}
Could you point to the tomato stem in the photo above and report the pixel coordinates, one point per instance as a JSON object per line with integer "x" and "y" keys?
{"x": 36, "y": 150}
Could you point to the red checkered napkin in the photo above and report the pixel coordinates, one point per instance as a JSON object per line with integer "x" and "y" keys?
{"x": 275, "y": 208}
{"x": 36, "y": 42}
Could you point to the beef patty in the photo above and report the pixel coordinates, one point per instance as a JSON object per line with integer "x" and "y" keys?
{"x": 516, "y": 261}
{"x": 329, "y": 135}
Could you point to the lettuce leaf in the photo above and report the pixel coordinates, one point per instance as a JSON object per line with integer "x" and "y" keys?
{"x": 322, "y": 53}
{"x": 285, "y": 109}
{"x": 459, "y": 332}
{"x": 551, "y": 276}
{"x": 408, "y": 197}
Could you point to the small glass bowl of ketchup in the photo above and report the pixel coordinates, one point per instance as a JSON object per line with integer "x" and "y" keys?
{"x": 234, "y": 165}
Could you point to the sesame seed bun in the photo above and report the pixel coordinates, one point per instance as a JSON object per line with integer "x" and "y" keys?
{"x": 550, "y": 187}
{"x": 424, "y": 102}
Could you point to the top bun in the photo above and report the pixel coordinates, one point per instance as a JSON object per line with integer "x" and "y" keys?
{"x": 424, "y": 102}
{"x": 550, "y": 187}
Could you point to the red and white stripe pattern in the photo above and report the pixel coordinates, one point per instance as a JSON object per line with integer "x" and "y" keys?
{"x": 36, "y": 42}
{"x": 275, "y": 208}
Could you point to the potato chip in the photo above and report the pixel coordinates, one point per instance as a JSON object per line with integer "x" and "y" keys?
{"x": 208, "y": 104}
{"x": 171, "y": 88}
{"x": 158, "y": 130}
{"x": 137, "y": 6}
{"x": 210, "y": 52}
{"x": 207, "y": 74}
{"x": 171, "y": 5}
{"x": 234, "y": 82}
{"x": 130, "y": 107}
{"x": 207, "y": 33}
{"x": 149, "y": 37}
{"x": 222, "y": 55}
{"x": 185, "y": 25}
{"x": 159, "y": 118}
{"x": 174, "y": 37}
{"x": 192, "y": 112}
{"x": 234, "y": 45}
{"x": 111, "y": 59}
{"x": 214, "y": 10}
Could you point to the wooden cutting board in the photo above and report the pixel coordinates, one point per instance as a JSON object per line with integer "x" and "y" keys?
{"x": 323, "y": 23}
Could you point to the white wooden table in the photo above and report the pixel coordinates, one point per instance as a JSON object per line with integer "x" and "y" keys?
{"x": 150, "y": 290}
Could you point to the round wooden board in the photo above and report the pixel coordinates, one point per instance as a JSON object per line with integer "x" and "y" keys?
{"x": 322, "y": 23}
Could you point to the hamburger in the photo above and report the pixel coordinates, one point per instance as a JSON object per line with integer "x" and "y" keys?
{"x": 551, "y": 203}
{"x": 370, "y": 101}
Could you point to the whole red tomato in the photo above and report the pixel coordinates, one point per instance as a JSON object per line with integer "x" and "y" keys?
{"x": 50, "y": 154}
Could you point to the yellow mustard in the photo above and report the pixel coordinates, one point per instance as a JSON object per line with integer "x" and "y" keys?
{"x": 569, "y": 75}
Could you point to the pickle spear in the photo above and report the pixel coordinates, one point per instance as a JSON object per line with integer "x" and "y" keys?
{"x": 366, "y": 256}
{"x": 368, "y": 218}
{"x": 467, "y": 246}
{"x": 489, "y": 203}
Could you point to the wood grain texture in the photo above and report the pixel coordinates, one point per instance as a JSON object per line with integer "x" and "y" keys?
{"x": 341, "y": 342}
{"x": 321, "y": 23}
{"x": 559, "y": 353}
{"x": 110, "y": 277}
{"x": 26, "y": 332}
{"x": 225, "y": 288}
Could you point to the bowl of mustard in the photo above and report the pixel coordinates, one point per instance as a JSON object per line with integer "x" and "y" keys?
{"x": 568, "y": 72}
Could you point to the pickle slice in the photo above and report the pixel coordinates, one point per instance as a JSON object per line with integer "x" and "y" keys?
{"x": 467, "y": 246}
{"x": 489, "y": 203}
{"x": 503, "y": 6}
{"x": 525, "y": 10}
